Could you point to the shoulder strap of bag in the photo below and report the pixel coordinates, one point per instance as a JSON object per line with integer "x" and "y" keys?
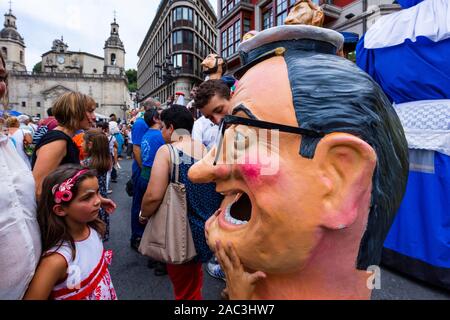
{"x": 175, "y": 168}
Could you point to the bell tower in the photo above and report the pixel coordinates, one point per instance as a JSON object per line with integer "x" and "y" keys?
{"x": 12, "y": 45}
{"x": 114, "y": 52}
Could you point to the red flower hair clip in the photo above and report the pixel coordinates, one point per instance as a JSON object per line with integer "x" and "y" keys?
{"x": 62, "y": 192}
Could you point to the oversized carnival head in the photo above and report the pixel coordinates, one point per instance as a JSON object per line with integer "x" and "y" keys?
{"x": 314, "y": 156}
{"x": 214, "y": 66}
{"x": 307, "y": 13}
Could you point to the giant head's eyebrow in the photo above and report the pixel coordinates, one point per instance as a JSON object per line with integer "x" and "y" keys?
{"x": 242, "y": 108}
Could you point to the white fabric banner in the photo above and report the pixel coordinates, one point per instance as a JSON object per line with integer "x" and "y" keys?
{"x": 430, "y": 18}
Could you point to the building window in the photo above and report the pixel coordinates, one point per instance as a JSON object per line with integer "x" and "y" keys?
{"x": 237, "y": 35}
{"x": 21, "y": 56}
{"x": 224, "y": 44}
{"x": 183, "y": 16}
{"x": 247, "y": 25}
{"x": 230, "y": 41}
{"x": 231, "y": 38}
{"x": 283, "y": 7}
{"x": 5, "y": 53}
{"x": 38, "y": 104}
{"x": 95, "y": 70}
{"x": 113, "y": 59}
{"x": 184, "y": 61}
{"x": 267, "y": 17}
{"x": 183, "y": 40}
{"x": 228, "y": 5}
{"x": 24, "y": 104}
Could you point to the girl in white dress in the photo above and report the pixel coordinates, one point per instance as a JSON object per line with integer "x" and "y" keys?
{"x": 74, "y": 265}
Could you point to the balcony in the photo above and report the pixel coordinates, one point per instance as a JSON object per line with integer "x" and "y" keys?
{"x": 183, "y": 46}
{"x": 182, "y": 23}
{"x": 331, "y": 11}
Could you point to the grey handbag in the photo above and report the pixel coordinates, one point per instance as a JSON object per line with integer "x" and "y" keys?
{"x": 167, "y": 236}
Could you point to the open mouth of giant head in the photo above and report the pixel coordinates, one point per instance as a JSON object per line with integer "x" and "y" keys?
{"x": 239, "y": 212}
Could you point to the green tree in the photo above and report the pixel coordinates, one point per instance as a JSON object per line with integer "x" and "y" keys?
{"x": 37, "y": 67}
{"x": 132, "y": 80}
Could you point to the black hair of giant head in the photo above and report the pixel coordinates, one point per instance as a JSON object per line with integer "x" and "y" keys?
{"x": 331, "y": 94}
{"x": 50, "y": 112}
{"x": 179, "y": 117}
{"x": 150, "y": 116}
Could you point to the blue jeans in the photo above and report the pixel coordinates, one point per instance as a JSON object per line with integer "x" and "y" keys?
{"x": 139, "y": 188}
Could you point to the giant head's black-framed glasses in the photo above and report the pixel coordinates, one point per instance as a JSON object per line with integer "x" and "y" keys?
{"x": 235, "y": 120}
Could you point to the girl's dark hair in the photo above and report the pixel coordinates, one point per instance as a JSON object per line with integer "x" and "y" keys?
{"x": 99, "y": 152}
{"x": 54, "y": 229}
{"x": 150, "y": 116}
{"x": 179, "y": 117}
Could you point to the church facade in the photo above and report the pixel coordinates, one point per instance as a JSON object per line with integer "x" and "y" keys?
{"x": 62, "y": 70}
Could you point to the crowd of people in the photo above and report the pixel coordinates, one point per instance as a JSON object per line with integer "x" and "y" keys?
{"x": 66, "y": 164}
{"x": 57, "y": 175}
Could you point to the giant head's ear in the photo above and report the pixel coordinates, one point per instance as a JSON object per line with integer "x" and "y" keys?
{"x": 318, "y": 16}
{"x": 347, "y": 164}
{"x": 59, "y": 210}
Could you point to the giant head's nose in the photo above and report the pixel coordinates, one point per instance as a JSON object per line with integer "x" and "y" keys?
{"x": 205, "y": 171}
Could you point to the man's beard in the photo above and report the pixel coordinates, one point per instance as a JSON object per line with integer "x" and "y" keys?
{"x": 212, "y": 70}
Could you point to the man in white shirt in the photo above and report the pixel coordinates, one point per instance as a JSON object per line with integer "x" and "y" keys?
{"x": 205, "y": 132}
{"x": 213, "y": 99}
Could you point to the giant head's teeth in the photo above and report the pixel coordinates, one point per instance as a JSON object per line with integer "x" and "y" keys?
{"x": 232, "y": 220}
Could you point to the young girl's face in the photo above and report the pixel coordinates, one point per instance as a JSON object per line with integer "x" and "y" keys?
{"x": 86, "y": 205}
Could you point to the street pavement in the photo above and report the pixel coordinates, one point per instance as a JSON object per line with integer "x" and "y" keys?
{"x": 133, "y": 280}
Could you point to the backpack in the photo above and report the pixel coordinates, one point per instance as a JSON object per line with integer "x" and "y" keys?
{"x": 40, "y": 132}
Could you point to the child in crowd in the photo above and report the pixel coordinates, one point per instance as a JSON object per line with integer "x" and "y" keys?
{"x": 96, "y": 147}
{"x": 74, "y": 263}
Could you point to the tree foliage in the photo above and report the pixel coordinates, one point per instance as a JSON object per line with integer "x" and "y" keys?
{"x": 132, "y": 80}
{"x": 37, "y": 67}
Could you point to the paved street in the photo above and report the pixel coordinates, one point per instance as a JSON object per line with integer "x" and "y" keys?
{"x": 134, "y": 281}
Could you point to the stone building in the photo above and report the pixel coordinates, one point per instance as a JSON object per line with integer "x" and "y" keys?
{"x": 62, "y": 70}
{"x": 182, "y": 34}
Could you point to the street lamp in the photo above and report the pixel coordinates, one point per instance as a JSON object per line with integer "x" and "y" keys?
{"x": 168, "y": 72}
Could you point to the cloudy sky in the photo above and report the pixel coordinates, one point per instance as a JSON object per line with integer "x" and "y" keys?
{"x": 84, "y": 24}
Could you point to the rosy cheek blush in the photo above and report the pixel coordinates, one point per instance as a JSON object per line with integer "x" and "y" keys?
{"x": 251, "y": 172}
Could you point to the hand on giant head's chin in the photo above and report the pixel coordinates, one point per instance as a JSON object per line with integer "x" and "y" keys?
{"x": 208, "y": 225}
